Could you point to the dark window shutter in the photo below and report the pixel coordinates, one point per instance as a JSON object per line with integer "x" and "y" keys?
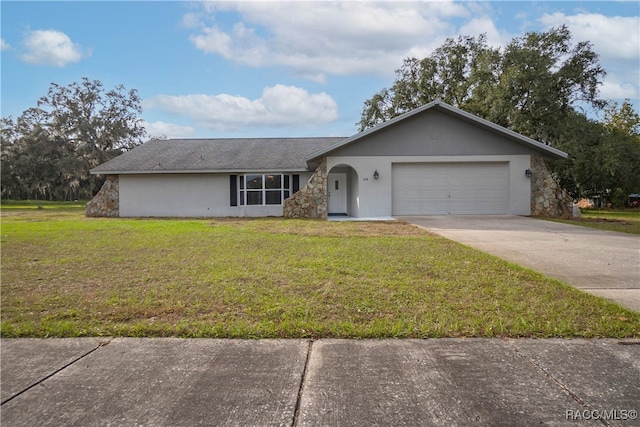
{"x": 296, "y": 183}
{"x": 233, "y": 190}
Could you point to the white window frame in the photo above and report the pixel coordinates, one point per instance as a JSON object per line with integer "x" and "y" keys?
{"x": 286, "y": 182}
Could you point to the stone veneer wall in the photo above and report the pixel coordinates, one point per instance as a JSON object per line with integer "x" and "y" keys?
{"x": 107, "y": 201}
{"x": 311, "y": 200}
{"x": 548, "y": 198}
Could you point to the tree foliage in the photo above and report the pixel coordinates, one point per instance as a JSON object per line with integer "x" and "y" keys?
{"x": 455, "y": 73}
{"x": 538, "y": 85}
{"x": 623, "y": 119}
{"x": 48, "y": 151}
{"x": 535, "y": 79}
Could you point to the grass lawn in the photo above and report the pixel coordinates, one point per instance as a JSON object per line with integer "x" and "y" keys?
{"x": 28, "y": 205}
{"x": 66, "y": 275}
{"x": 624, "y": 221}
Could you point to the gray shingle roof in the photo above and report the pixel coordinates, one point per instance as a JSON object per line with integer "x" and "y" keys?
{"x": 217, "y": 155}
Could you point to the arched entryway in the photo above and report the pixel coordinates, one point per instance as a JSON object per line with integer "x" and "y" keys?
{"x": 342, "y": 191}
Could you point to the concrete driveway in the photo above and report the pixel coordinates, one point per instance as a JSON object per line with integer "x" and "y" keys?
{"x": 603, "y": 263}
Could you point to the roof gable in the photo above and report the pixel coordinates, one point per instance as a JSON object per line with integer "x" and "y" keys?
{"x": 506, "y": 134}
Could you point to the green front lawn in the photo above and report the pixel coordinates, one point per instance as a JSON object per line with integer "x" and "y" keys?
{"x": 624, "y": 221}
{"x": 27, "y": 205}
{"x": 67, "y": 275}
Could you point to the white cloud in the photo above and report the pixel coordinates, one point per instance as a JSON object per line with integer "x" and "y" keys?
{"x": 484, "y": 25}
{"x": 170, "y": 130}
{"x": 320, "y": 38}
{"x": 612, "y": 36}
{"x": 279, "y": 105}
{"x": 615, "y": 88}
{"x": 50, "y": 47}
{"x": 317, "y": 39}
{"x": 4, "y": 45}
{"x": 190, "y": 20}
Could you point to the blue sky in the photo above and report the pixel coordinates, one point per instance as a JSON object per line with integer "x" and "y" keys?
{"x": 261, "y": 69}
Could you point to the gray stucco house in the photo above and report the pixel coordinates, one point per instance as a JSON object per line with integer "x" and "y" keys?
{"x": 434, "y": 160}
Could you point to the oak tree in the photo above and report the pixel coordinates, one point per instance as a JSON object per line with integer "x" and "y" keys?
{"x": 47, "y": 151}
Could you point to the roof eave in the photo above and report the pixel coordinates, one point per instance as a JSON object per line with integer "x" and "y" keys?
{"x": 537, "y": 145}
{"x": 192, "y": 171}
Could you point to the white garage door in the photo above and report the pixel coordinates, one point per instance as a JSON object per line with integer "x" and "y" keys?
{"x": 450, "y": 188}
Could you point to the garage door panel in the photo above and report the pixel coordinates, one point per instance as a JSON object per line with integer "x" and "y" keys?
{"x": 450, "y": 188}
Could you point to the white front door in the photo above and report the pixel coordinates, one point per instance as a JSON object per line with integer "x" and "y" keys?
{"x": 337, "y": 193}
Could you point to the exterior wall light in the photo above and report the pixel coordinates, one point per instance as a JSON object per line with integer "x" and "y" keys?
{"x": 376, "y": 175}
{"x": 528, "y": 173}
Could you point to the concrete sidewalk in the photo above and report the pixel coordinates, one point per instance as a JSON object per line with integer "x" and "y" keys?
{"x": 604, "y": 263}
{"x": 448, "y": 382}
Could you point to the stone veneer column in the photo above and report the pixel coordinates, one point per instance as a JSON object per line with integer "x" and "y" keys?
{"x": 548, "y": 198}
{"x": 311, "y": 200}
{"x": 107, "y": 201}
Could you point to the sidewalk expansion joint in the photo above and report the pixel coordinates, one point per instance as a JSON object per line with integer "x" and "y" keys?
{"x": 553, "y": 379}
{"x": 102, "y": 343}
{"x": 296, "y": 412}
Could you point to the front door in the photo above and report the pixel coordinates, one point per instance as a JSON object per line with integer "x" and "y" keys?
{"x": 337, "y": 193}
